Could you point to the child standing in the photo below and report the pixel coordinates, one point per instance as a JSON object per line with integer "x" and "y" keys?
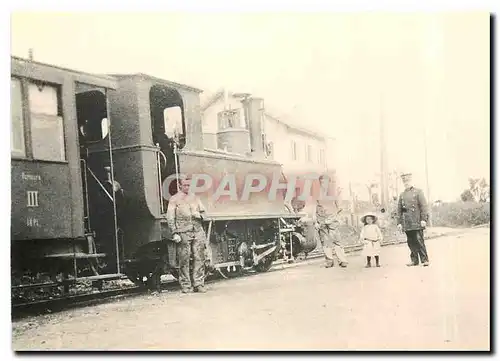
{"x": 371, "y": 236}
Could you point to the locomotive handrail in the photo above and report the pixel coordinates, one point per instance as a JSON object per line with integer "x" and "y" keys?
{"x": 86, "y": 192}
{"x": 160, "y": 153}
{"x": 163, "y": 155}
{"x": 176, "y": 167}
{"x": 100, "y": 184}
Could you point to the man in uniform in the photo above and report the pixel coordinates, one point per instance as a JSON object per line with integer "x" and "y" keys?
{"x": 327, "y": 223}
{"x": 184, "y": 216}
{"x": 412, "y": 218}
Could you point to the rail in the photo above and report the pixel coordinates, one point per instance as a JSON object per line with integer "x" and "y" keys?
{"x": 24, "y": 309}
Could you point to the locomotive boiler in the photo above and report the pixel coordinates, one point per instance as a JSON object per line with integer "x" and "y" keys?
{"x": 92, "y": 175}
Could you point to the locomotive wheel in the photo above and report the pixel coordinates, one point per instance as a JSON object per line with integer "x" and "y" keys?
{"x": 231, "y": 273}
{"x": 138, "y": 279}
{"x": 144, "y": 278}
{"x": 264, "y": 265}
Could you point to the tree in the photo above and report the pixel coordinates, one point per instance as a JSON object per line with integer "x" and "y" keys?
{"x": 479, "y": 191}
{"x": 370, "y": 187}
{"x": 467, "y": 196}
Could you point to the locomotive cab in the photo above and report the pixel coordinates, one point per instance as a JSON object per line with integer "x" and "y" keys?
{"x": 168, "y": 130}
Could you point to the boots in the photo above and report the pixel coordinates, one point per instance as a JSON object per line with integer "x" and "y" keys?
{"x": 368, "y": 262}
{"x": 329, "y": 264}
{"x": 377, "y": 261}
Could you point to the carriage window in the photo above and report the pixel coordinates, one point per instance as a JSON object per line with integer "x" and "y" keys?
{"x": 17, "y": 147}
{"x": 47, "y": 132}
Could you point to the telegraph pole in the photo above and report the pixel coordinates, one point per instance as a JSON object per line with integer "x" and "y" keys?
{"x": 427, "y": 174}
{"x": 383, "y": 157}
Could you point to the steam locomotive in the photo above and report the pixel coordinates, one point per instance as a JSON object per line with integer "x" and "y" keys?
{"x": 92, "y": 159}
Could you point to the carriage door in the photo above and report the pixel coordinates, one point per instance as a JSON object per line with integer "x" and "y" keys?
{"x": 168, "y": 130}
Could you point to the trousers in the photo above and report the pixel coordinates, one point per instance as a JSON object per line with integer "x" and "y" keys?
{"x": 330, "y": 240}
{"x": 191, "y": 276}
{"x": 417, "y": 247}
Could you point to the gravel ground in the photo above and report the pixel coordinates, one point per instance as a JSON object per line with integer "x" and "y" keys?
{"x": 441, "y": 307}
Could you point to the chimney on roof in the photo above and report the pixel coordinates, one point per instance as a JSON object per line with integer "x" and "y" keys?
{"x": 254, "y": 112}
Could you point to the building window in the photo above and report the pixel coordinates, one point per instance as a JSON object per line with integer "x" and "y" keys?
{"x": 47, "y": 133}
{"x": 231, "y": 119}
{"x": 17, "y": 145}
{"x": 322, "y": 156}
{"x": 309, "y": 153}
{"x": 241, "y": 115}
{"x": 294, "y": 150}
{"x": 270, "y": 149}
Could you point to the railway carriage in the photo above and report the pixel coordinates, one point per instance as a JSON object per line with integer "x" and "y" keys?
{"x": 94, "y": 162}
{"x": 51, "y": 230}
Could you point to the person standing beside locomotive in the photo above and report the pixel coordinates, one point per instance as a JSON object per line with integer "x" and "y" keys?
{"x": 412, "y": 219}
{"x": 184, "y": 216}
{"x": 327, "y": 224}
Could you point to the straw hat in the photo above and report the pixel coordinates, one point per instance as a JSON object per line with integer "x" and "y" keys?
{"x": 369, "y": 214}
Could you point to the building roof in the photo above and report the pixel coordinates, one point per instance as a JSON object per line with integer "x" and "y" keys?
{"x": 295, "y": 127}
{"x": 212, "y": 98}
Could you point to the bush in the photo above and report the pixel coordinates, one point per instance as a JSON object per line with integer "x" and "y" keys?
{"x": 460, "y": 214}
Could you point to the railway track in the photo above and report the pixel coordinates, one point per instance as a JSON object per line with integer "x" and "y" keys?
{"x": 21, "y": 310}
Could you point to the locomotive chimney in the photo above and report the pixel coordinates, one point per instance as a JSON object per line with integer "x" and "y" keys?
{"x": 254, "y": 111}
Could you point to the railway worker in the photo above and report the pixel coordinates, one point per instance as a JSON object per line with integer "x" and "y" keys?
{"x": 412, "y": 219}
{"x": 327, "y": 223}
{"x": 184, "y": 216}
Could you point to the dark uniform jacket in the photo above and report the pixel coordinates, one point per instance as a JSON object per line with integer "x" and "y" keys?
{"x": 412, "y": 209}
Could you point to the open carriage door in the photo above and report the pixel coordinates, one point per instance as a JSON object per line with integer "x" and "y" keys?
{"x": 98, "y": 177}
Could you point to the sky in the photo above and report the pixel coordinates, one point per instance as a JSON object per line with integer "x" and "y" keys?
{"x": 339, "y": 73}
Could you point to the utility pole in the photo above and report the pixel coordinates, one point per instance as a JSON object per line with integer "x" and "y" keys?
{"x": 383, "y": 157}
{"x": 427, "y": 173}
{"x": 353, "y": 205}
